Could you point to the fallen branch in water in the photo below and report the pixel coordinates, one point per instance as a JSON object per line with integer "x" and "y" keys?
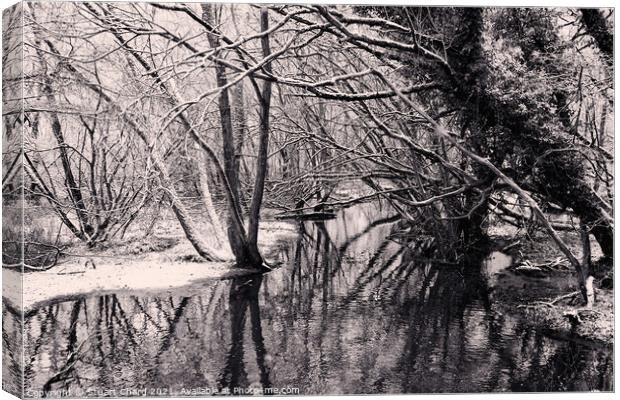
{"x": 552, "y": 303}
{"x": 555, "y": 264}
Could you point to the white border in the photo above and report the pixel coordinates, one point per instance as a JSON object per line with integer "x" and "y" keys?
{"x": 489, "y": 3}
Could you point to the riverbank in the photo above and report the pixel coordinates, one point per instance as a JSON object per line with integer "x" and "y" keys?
{"x": 545, "y": 292}
{"x": 143, "y": 265}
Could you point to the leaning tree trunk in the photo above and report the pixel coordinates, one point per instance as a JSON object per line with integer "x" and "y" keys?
{"x": 191, "y": 232}
{"x": 580, "y": 267}
{"x": 212, "y": 216}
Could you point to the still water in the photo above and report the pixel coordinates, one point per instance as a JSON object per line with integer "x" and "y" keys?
{"x": 352, "y": 309}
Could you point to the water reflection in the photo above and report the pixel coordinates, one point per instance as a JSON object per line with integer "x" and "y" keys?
{"x": 243, "y": 300}
{"x": 357, "y": 308}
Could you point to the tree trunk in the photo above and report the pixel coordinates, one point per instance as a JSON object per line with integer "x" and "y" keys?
{"x": 236, "y": 233}
{"x": 261, "y": 161}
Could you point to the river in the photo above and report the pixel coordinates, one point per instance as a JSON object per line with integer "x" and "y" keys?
{"x": 352, "y": 309}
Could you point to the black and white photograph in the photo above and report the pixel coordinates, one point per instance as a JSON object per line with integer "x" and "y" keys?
{"x": 300, "y": 199}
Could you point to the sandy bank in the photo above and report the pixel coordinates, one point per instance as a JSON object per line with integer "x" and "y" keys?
{"x": 72, "y": 280}
{"x": 147, "y": 272}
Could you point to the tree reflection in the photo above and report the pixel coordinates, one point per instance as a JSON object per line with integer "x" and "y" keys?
{"x": 243, "y": 296}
